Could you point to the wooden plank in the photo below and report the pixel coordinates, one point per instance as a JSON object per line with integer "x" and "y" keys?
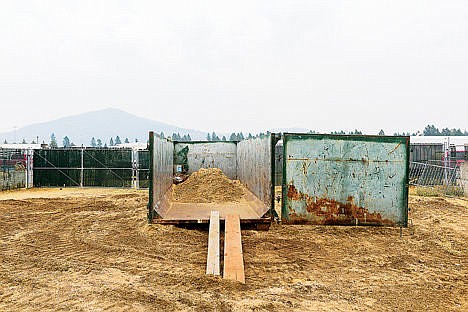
{"x": 233, "y": 257}
{"x": 213, "y": 258}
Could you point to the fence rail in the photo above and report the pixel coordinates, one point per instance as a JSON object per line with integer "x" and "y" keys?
{"x": 427, "y": 174}
{"x": 99, "y": 167}
{"x": 91, "y": 167}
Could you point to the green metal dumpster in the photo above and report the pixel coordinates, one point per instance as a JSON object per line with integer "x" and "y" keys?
{"x": 345, "y": 179}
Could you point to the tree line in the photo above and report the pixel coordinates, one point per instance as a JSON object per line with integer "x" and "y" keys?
{"x": 429, "y": 130}
{"x": 98, "y": 143}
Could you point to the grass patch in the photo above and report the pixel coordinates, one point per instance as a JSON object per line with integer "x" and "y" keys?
{"x": 452, "y": 190}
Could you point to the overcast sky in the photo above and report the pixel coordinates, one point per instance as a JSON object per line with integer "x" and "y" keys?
{"x": 238, "y": 65}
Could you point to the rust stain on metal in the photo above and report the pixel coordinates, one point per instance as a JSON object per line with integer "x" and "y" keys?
{"x": 293, "y": 193}
{"x": 396, "y": 147}
{"x": 328, "y": 211}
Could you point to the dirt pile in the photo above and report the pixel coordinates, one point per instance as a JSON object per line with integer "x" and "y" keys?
{"x": 208, "y": 186}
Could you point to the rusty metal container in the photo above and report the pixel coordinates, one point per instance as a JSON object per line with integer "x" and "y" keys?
{"x": 345, "y": 179}
{"x": 249, "y": 161}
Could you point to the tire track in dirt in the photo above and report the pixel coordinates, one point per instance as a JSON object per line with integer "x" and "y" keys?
{"x": 96, "y": 253}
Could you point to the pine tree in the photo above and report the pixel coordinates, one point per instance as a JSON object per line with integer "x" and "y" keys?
{"x": 66, "y": 142}
{"x": 214, "y": 137}
{"x": 224, "y": 138}
{"x": 5, "y": 141}
{"x": 99, "y": 143}
{"x": 117, "y": 140}
{"x": 111, "y": 142}
{"x": 249, "y": 136}
{"x": 189, "y": 138}
{"x": 431, "y": 130}
{"x": 136, "y": 140}
{"x": 126, "y": 140}
{"x": 381, "y": 132}
{"x": 233, "y": 137}
{"x": 33, "y": 142}
{"x": 240, "y": 136}
{"x": 105, "y": 145}
{"x": 53, "y": 141}
{"x": 161, "y": 135}
{"x": 446, "y": 131}
{"x": 208, "y": 137}
{"x": 93, "y": 142}
{"x": 24, "y": 141}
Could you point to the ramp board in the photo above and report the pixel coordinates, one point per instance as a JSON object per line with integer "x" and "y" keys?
{"x": 212, "y": 260}
{"x": 233, "y": 257}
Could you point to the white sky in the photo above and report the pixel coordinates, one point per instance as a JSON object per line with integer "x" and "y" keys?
{"x": 238, "y": 65}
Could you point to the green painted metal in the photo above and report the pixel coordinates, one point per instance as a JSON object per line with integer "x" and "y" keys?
{"x": 345, "y": 179}
{"x": 221, "y": 154}
{"x": 250, "y": 161}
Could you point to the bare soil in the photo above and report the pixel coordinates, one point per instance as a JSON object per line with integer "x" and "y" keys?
{"x": 208, "y": 186}
{"x": 92, "y": 250}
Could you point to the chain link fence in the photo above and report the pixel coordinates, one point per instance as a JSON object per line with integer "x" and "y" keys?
{"x": 91, "y": 167}
{"x": 12, "y": 169}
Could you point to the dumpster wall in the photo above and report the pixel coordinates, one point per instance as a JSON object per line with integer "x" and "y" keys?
{"x": 345, "y": 179}
{"x": 254, "y": 167}
{"x": 162, "y": 152}
{"x": 220, "y": 155}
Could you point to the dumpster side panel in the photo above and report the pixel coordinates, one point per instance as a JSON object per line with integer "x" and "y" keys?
{"x": 162, "y": 153}
{"x": 345, "y": 180}
{"x": 254, "y": 167}
{"x": 220, "y": 155}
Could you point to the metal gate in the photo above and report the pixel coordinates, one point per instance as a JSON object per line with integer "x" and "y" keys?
{"x": 345, "y": 179}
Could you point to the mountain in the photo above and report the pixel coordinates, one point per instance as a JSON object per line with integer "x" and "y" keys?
{"x": 103, "y": 124}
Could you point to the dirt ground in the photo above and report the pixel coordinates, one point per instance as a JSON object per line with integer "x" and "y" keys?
{"x": 208, "y": 185}
{"x": 92, "y": 250}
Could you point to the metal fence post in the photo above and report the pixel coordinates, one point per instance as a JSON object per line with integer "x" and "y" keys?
{"x": 82, "y": 167}
{"x": 137, "y": 165}
{"x": 135, "y": 170}
{"x": 29, "y": 168}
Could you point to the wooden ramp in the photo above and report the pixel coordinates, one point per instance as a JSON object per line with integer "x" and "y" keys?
{"x": 233, "y": 257}
{"x": 212, "y": 260}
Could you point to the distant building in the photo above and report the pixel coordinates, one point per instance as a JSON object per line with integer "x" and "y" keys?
{"x": 439, "y": 148}
{"x": 20, "y": 146}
